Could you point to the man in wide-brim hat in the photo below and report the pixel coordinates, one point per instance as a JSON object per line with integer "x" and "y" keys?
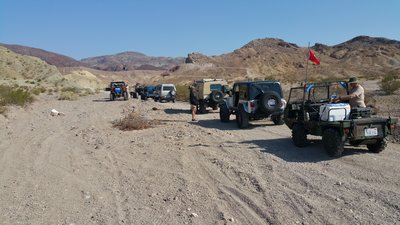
{"x": 356, "y": 94}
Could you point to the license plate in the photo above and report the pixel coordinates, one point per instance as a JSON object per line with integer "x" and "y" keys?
{"x": 371, "y": 132}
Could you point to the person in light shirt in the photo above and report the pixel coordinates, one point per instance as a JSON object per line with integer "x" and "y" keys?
{"x": 356, "y": 94}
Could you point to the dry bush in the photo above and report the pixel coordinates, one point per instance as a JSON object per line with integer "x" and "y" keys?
{"x": 182, "y": 92}
{"x": 68, "y": 95}
{"x": 390, "y": 83}
{"x": 14, "y": 95}
{"x": 133, "y": 121}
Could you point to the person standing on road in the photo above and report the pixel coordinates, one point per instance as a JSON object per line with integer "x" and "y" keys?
{"x": 356, "y": 94}
{"x": 194, "y": 102}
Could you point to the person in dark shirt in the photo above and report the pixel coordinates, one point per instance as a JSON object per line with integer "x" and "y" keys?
{"x": 194, "y": 102}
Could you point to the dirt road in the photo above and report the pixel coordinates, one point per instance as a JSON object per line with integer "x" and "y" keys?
{"x": 78, "y": 169}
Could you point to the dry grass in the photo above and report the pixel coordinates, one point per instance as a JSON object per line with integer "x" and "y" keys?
{"x": 133, "y": 121}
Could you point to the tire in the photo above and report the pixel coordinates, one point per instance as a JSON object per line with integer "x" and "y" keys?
{"x": 224, "y": 113}
{"x": 143, "y": 97}
{"x": 379, "y": 146}
{"x": 264, "y": 102}
{"x": 216, "y": 97}
{"x": 333, "y": 142}
{"x": 242, "y": 119}
{"x": 299, "y": 135}
{"x": 278, "y": 120}
{"x": 202, "y": 107}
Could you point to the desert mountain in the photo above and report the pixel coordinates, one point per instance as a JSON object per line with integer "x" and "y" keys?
{"x": 275, "y": 58}
{"x": 50, "y": 57}
{"x": 131, "y": 61}
{"x": 15, "y": 67}
{"x": 29, "y": 71}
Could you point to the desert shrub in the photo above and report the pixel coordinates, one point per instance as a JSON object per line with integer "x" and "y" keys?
{"x": 50, "y": 91}
{"x": 68, "y": 95}
{"x": 390, "y": 83}
{"x": 182, "y": 92}
{"x": 133, "y": 121}
{"x": 14, "y": 95}
{"x": 37, "y": 90}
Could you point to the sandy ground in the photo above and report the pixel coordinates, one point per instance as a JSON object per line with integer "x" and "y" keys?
{"x": 78, "y": 169}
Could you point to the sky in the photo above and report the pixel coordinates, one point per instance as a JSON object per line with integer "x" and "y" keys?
{"x": 174, "y": 28}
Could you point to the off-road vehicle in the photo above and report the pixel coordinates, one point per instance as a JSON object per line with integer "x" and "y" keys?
{"x": 310, "y": 111}
{"x": 210, "y": 93}
{"x": 118, "y": 89}
{"x": 165, "y": 92}
{"x": 254, "y": 100}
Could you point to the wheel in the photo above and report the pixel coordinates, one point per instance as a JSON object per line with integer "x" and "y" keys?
{"x": 277, "y": 120}
{"x": 202, "y": 108}
{"x": 270, "y": 101}
{"x": 224, "y": 113}
{"x": 112, "y": 97}
{"x": 333, "y": 142}
{"x": 379, "y": 146}
{"x": 155, "y": 99}
{"x": 299, "y": 135}
{"x": 242, "y": 119}
{"x": 216, "y": 97}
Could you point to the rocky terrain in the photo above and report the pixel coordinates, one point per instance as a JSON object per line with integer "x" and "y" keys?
{"x": 76, "y": 168}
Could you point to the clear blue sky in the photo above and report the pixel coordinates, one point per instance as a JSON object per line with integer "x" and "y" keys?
{"x": 86, "y": 28}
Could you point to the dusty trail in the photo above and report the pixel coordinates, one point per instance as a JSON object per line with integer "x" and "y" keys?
{"x": 77, "y": 169}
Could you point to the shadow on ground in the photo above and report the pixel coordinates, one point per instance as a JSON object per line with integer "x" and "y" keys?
{"x": 284, "y": 149}
{"x": 177, "y": 111}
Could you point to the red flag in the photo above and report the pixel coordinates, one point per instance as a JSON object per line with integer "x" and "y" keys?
{"x": 313, "y": 58}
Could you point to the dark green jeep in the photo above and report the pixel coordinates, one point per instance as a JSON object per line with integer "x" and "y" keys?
{"x": 310, "y": 111}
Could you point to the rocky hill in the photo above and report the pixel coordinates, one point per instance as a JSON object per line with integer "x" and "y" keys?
{"x": 275, "y": 58}
{"x": 16, "y": 67}
{"x": 131, "y": 61}
{"x": 49, "y": 57}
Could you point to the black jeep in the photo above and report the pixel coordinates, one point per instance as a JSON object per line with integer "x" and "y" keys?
{"x": 254, "y": 100}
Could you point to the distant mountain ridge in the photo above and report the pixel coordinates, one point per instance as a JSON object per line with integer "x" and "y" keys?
{"x": 271, "y": 57}
{"x": 49, "y": 57}
{"x": 132, "y": 61}
{"x": 260, "y": 58}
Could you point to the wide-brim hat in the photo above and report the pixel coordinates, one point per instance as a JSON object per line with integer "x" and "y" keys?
{"x": 353, "y": 80}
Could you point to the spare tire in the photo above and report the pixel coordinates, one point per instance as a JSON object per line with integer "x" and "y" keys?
{"x": 216, "y": 97}
{"x": 270, "y": 101}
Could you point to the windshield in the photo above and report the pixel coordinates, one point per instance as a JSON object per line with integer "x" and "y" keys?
{"x": 318, "y": 93}
{"x": 168, "y": 88}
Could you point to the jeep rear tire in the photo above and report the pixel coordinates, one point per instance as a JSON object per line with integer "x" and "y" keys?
{"x": 333, "y": 142}
{"x": 216, "y": 97}
{"x": 266, "y": 100}
{"x": 242, "y": 119}
{"x": 224, "y": 113}
{"x": 299, "y": 135}
{"x": 379, "y": 146}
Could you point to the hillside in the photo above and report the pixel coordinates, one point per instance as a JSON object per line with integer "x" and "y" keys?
{"x": 131, "y": 61}
{"x": 275, "y": 58}
{"x": 16, "y": 67}
{"x": 49, "y": 57}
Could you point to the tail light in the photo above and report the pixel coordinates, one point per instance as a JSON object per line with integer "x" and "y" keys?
{"x": 346, "y": 131}
{"x": 252, "y": 104}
